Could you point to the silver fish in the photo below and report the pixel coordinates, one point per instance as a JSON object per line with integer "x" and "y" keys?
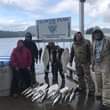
{"x": 26, "y": 90}
{"x": 57, "y": 100}
{"x": 30, "y": 94}
{"x": 29, "y": 91}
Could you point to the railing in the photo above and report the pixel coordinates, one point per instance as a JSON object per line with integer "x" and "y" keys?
{"x": 4, "y": 60}
{"x": 55, "y": 40}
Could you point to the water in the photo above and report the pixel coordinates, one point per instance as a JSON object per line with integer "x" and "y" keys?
{"x": 7, "y": 45}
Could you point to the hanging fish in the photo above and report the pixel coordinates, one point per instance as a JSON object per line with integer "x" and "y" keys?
{"x": 26, "y": 90}
{"x": 57, "y": 100}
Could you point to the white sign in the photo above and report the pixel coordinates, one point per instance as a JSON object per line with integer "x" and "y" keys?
{"x": 54, "y": 28}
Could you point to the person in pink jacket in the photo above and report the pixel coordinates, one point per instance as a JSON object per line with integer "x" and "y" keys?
{"x": 21, "y": 60}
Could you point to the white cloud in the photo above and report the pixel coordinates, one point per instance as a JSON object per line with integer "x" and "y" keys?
{"x": 13, "y": 25}
{"x": 93, "y": 8}
{"x": 97, "y": 8}
{"x": 37, "y": 8}
{"x": 29, "y": 5}
{"x": 64, "y": 5}
{"x": 17, "y": 22}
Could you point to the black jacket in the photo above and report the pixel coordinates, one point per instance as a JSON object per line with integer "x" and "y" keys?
{"x": 57, "y": 53}
{"x": 33, "y": 48}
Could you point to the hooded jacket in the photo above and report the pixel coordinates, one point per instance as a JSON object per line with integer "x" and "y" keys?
{"x": 21, "y": 58}
{"x": 105, "y": 53}
{"x": 81, "y": 51}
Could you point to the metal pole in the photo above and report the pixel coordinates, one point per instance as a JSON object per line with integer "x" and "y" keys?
{"x": 81, "y": 16}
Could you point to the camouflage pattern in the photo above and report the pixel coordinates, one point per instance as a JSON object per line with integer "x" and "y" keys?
{"x": 82, "y": 56}
{"x": 84, "y": 76}
{"x": 82, "y": 52}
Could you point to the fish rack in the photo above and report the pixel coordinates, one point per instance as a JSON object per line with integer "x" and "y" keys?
{"x": 53, "y": 94}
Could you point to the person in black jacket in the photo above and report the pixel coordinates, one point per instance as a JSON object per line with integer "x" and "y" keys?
{"x": 57, "y": 65}
{"x": 52, "y": 54}
{"x": 34, "y": 51}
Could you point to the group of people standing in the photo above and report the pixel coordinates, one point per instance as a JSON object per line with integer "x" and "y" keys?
{"x": 97, "y": 56}
{"x": 87, "y": 55}
{"x": 23, "y": 59}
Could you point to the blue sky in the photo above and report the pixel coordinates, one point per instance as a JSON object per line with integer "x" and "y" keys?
{"x": 17, "y": 15}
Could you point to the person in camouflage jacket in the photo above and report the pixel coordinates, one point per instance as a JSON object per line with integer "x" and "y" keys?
{"x": 81, "y": 52}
